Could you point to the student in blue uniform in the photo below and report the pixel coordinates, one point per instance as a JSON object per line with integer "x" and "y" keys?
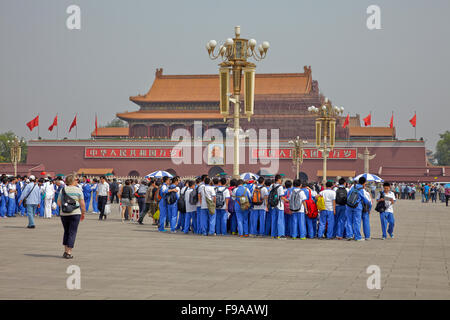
{"x": 94, "y": 196}
{"x": 58, "y": 186}
{"x": 311, "y": 224}
{"x": 355, "y": 214}
{"x": 278, "y": 223}
{"x": 221, "y": 213}
{"x": 340, "y": 217}
{"x": 287, "y": 217}
{"x": 241, "y": 214}
{"x": 4, "y": 198}
{"x": 258, "y": 211}
{"x": 232, "y": 208}
{"x": 19, "y": 187}
{"x": 268, "y": 222}
{"x": 41, "y": 207}
{"x": 163, "y": 204}
{"x": 12, "y": 192}
{"x": 172, "y": 209}
{"x": 87, "y": 192}
{"x": 298, "y": 220}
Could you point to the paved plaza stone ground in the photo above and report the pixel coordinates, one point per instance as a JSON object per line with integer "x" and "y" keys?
{"x": 129, "y": 261}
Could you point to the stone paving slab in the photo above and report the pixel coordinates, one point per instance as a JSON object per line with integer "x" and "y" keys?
{"x": 128, "y": 261}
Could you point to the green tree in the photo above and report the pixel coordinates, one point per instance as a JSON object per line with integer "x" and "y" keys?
{"x": 116, "y": 123}
{"x": 5, "y": 148}
{"x": 443, "y": 149}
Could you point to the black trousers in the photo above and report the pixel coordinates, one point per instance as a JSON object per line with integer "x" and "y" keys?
{"x": 102, "y": 200}
{"x": 114, "y": 195}
{"x": 446, "y": 200}
{"x": 70, "y": 224}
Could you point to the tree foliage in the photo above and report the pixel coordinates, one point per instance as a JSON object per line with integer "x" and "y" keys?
{"x": 5, "y": 147}
{"x": 443, "y": 149}
{"x": 116, "y": 123}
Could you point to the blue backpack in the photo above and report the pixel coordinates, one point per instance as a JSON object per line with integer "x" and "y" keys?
{"x": 353, "y": 198}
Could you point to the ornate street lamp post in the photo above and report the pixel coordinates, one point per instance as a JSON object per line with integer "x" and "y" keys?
{"x": 15, "y": 152}
{"x": 325, "y": 130}
{"x": 297, "y": 157}
{"x": 234, "y": 54}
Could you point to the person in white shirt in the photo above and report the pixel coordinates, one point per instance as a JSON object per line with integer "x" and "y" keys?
{"x": 258, "y": 212}
{"x": 340, "y": 218}
{"x": 297, "y": 206}
{"x": 327, "y": 215}
{"x": 365, "y": 218}
{"x": 278, "y": 223}
{"x": 200, "y": 186}
{"x": 222, "y": 213}
{"x": 206, "y": 223}
{"x": 387, "y": 217}
{"x": 191, "y": 209}
{"x": 49, "y": 191}
{"x": 102, "y": 196}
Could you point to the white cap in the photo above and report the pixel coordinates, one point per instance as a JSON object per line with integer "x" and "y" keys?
{"x": 32, "y": 177}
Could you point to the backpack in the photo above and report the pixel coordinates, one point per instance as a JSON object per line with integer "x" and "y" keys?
{"x": 311, "y": 207}
{"x": 341, "y": 196}
{"x": 231, "y": 204}
{"x": 193, "y": 196}
{"x": 244, "y": 204}
{"x": 171, "y": 197}
{"x": 320, "y": 201}
{"x": 286, "y": 204}
{"x": 381, "y": 206}
{"x": 295, "y": 204}
{"x": 273, "y": 197}
{"x": 257, "y": 199}
{"x": 220, "y": 198}
{"x": 353, "y": 198}
{"x": 181, "y": 202}
{"x": 68, "y": 204}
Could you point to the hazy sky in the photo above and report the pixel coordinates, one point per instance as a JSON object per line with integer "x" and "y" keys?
{"x": 46, "y": 68}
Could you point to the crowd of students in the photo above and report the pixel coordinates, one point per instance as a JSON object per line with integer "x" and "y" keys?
{"x": 266, "y": 208}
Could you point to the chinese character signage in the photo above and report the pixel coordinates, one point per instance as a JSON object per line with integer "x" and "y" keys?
{"x": 132, "y": 153}
{"x": 308, "y": 153}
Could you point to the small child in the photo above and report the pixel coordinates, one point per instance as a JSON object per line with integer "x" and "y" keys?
{"x": 387, "y": 217}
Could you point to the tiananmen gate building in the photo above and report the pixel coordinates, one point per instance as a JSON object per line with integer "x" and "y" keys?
{"x": 191, "y": 102}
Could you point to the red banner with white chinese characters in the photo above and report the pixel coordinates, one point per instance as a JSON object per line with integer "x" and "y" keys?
{"x": 308, "y": 153}
{"x": 132, "y": 153}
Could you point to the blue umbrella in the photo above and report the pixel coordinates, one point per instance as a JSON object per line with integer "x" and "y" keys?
{"x": 369, "y": 177}
{"x": 447, "y": 186}
{"x": 249, "y": 176}
{"x": 159, "y": 174}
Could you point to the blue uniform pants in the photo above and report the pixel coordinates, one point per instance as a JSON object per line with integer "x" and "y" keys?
{"x": 326, "y": 217}
{"x": 287, "y": 224}
{"x": 188, "y": 217}
{"x": 233, "y": 223}
{"x": 387, "y": 218}
{"x": 199, "y": 214}
{"x": 254, "y": 217}
{"x": 221, "y": 221}
{"x": 31, "y": 210}
{"x": 355, "y": 221}
{"x": 298, "y": 225}
{"x": 162, "y": 214}
{"x": 268, "y": 223}
{"x": 87, "y": 200}
{"x": 173, "y": 215}
{"x": 11, "y": 207}
{"x": 204, "y": 213}
{"x": 94, "y": 203}
{"x": 3, "y": 207}
{"x": 242, "y": 221}
{"x": 366, "y": 224}
{"x": 262, "y": 222}
{"x": 311, "y": 227}
{"x": 212, "y": 222}
{"x": 278, "y": 223}
{"x": 339, "y": 221}
{"x": 348, "y": 223}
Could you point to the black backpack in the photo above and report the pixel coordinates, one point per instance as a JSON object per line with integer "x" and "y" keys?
{"x": 181, "y": 202}
{"x": 220, "y": 198}
{"x": 341, "y": 196}
{"x": 193, "y": 196}
{"x": 381, "y": 205}
{"x": 68, "y": 204}
{"x": 353, "y": 198}
{"x": 171, "y": 197}
{"x": 273, "y": 197}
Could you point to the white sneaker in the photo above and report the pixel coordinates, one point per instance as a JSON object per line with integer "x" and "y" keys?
{"x": 368, "y": 239}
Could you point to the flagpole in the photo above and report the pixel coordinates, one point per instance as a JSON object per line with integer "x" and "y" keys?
{"x": 415, "y": 127}
{"x": 76, "y": 130}
{"x": 39, "y": 125}
{"x": 57, "y": 126}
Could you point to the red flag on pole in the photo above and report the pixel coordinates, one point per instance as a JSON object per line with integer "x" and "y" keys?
{"x": 96, "y": 125}
{"x": 391, "y": 125}
{"x": 33, "y": 123}
{"x": 74, "y": 124}
{"x": 346, "y": 122}
{"x": 368, "y": 120}
{"x": 54, "y": 124}
{"x": 413, "y": 121}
